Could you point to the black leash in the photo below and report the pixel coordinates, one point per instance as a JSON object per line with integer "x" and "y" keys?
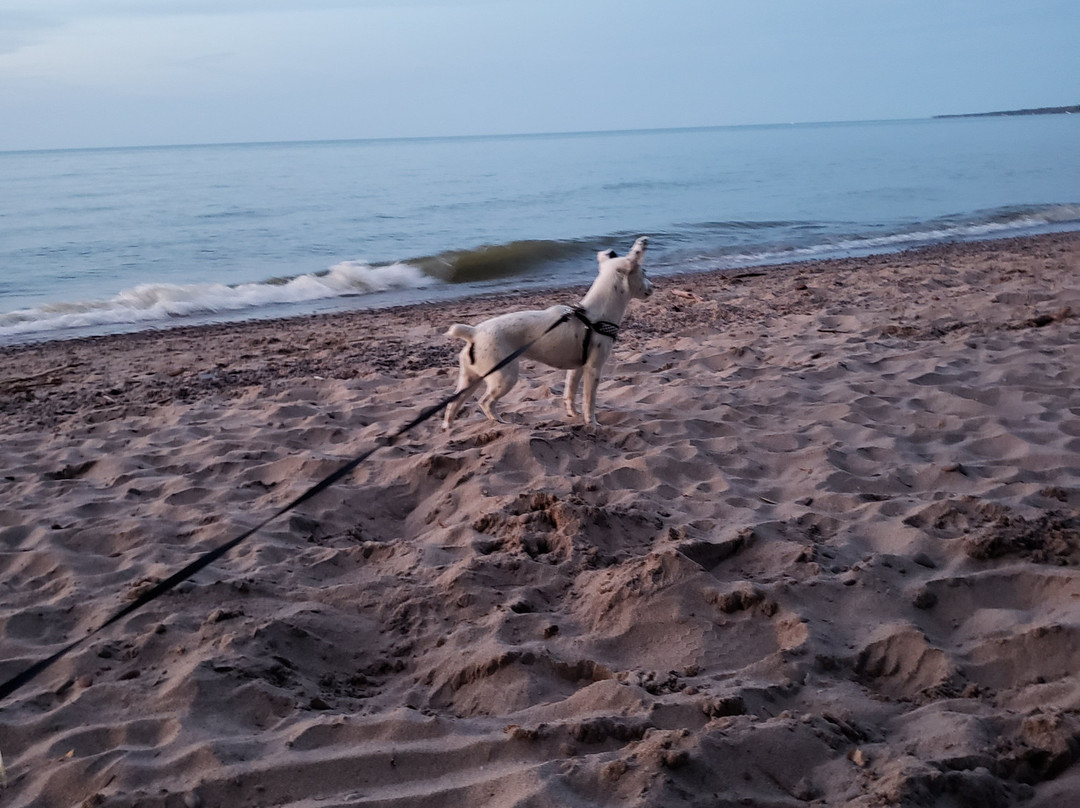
{"x": 209, "y": 557}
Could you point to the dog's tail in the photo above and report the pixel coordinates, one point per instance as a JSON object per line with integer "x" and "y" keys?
{"x": 461, "y": 331}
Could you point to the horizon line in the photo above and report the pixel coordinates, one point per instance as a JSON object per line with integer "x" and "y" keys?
{"x": 486, "y": 136}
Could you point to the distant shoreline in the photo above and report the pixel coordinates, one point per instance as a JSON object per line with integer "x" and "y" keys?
{"x": 1035, "y": 111}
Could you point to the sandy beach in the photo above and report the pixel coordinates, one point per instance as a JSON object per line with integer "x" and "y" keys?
{"x": 822, "y": 550}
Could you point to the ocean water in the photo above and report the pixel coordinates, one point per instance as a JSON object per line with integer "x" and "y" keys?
{"x": 102, "y": 240}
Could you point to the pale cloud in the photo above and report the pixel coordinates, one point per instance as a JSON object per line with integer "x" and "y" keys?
{"x": 19, "y": 28}
{"x": 58, "y": 11}
{"x": 27, "y": 22}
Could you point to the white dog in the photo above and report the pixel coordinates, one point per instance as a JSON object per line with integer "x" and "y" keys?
{"x": 581, "y": 344}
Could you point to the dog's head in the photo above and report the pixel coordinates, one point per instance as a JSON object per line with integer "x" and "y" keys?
{"x": 628, "y": 269}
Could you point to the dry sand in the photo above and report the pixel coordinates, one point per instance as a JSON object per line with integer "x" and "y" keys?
{"x": 823, "y": 550}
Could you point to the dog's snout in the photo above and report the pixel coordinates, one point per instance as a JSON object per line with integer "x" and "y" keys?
{"x": 612, "y": 254}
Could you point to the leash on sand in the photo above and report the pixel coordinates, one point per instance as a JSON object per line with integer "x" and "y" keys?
{"x": 209, "y": 557}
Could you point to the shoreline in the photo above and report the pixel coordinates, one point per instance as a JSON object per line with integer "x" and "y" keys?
{"x": 540, "y": 295}
{"x": 535, "y": 294}
{"x": 824, "y": 546}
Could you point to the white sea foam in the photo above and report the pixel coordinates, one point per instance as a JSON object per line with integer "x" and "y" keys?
{"x": 997, "y": 226}
{"x": 147, "y": 303}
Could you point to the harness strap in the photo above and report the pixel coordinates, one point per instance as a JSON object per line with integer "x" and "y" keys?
{"x": 604, "y": 328}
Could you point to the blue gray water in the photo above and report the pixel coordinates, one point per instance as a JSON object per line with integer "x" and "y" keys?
{"x": 101, "y": 240}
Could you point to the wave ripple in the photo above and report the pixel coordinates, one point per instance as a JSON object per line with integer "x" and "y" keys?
{"x": 157, "y": 302}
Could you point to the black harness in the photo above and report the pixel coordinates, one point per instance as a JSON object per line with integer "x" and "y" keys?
{"x": 602, "y": 327}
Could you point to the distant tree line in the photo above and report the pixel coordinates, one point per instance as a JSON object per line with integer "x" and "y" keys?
{"x": 1035, "y": 111}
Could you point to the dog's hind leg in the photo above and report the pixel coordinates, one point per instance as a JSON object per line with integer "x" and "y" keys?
{"x": 498, "y": 385}
{"x": 465, "y": 378}
{"x": 573, "y": 382}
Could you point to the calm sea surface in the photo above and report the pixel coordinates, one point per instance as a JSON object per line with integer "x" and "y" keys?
{"x": 93, "y": 241}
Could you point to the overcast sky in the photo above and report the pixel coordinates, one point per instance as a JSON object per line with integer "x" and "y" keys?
{"x": 77, "y": 73}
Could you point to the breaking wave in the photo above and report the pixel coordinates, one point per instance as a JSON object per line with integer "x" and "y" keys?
{"x": 159, "y": 302}
{"x": 496, "y": 261}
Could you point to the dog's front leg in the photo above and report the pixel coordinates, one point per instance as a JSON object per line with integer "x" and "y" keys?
{"x": 588, "y": 400}
{"x": 573, "y": 381}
